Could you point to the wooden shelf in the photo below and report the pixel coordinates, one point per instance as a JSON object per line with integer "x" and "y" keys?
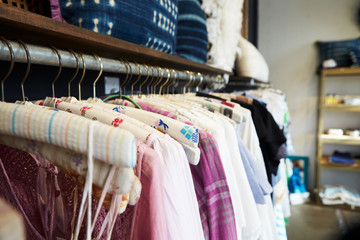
{"x": 324, "y": 163}
{"x": 348, "y": 140}
{"x": 36, "y": 29}
{"x": 341, "y": 107}
{"x": 341, "y": 71}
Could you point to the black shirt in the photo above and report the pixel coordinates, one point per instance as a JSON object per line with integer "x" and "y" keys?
{"x": 271, "y": 137}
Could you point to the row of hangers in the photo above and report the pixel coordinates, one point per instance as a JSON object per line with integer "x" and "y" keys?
{"x": 153, "y": 85}
{"x": 164, "y": 82}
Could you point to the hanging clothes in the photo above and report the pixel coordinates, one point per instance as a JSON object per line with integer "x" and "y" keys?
{"x": 199, "y": 170}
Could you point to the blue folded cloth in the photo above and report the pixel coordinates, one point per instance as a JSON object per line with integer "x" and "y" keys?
{"x": 151, "y": 23}
{"x": 342, "y": 157}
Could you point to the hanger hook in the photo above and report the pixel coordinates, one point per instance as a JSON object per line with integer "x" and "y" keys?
{"x": 151, "y": 81}
{"x": 192, "y": 78}
{"x": 188, "y": 83}
{"x": 166, "y": 85}
{"x": 99, "y": 75}
{"x": 205, "y": 83}
{"x": 28, "y": 57}
{"x": 154, "y": 81}
{"x": 196, "y": 83}
{"x": 129, "y": 78}
{"x": 83, "y": 73}
{"x": 173, "y": 79}
{"x": 192, "y": 85}
{"x": 200, "y": 82}
{"x": 167, "y": 80}
{"x": 59, "y": 71}
{"x": 158, "y": 80}
{"x": 12, "y": 60}
{"x": 127, "y": 75}
{"x": 192, "y": 81}
{"x": 143, "y": 82}
{"x": 76, "y": 72}
{"x": 136, "y": 81}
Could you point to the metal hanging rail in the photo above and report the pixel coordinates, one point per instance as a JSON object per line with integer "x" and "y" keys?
{"x": 246, "y": 82}
{"x": 46, "y": 56}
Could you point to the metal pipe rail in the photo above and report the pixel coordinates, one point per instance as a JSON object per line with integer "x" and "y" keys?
{"x": 46, "y": 56}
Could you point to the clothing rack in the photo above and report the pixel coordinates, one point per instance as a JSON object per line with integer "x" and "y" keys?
{"x": 47, "y": 56}
{"x": 243, "y": 83}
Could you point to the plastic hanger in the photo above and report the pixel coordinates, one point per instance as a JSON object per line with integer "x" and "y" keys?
{"x": 12, "y": 60}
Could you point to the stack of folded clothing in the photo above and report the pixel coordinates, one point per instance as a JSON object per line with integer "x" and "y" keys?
{"x": 332, "y": 195}
{"x": 342, "y": 157}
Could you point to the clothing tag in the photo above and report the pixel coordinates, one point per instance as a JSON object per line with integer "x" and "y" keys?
{"x": 111, "y": 85}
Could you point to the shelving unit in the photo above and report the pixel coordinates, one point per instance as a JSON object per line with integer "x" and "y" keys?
{"x": 341, "y": 107}
{"x": 39, "y": 30}
{"x": 325, "y": 138}
{"x": 323, "y": 161}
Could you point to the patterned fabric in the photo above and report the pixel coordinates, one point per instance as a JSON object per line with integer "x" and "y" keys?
{"x": 181, "y": 132}
{"x": 192, "y": 153}
{"x": 68, "y": 131}
{"x": 94, "y": 113}
{"x": 212, "y": 191}
{"x": 214, "y": 105}
{"x": 280, "y": 223}
{"x": 148, "y": 23}
{"x": 217, "y": 216}
{"x": 162, "y": 112}
{"x": 123, "y": 179}
{"x": 191, "y": 37}
{"x": 116, "y": 118}
{"x": 339, "y": 51}
{"x": 19, "y": 181}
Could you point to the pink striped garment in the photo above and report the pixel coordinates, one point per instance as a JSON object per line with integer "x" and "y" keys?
{"x": 212, "y": 191}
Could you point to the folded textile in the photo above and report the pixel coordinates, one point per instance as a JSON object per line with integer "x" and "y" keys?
{"x": 331, "y": 195}
{"x": 341, "y": 157}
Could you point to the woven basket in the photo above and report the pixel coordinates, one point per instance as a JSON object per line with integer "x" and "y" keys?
{"x": 35, "y": 6}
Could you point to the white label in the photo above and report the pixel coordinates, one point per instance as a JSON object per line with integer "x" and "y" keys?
{"x": 111, "y": 85}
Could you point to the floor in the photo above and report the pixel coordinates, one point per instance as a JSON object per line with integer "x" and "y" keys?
{"x": 309, "y": 221}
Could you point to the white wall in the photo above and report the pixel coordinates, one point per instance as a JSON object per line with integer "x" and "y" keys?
{"x": 288, "y": 30}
